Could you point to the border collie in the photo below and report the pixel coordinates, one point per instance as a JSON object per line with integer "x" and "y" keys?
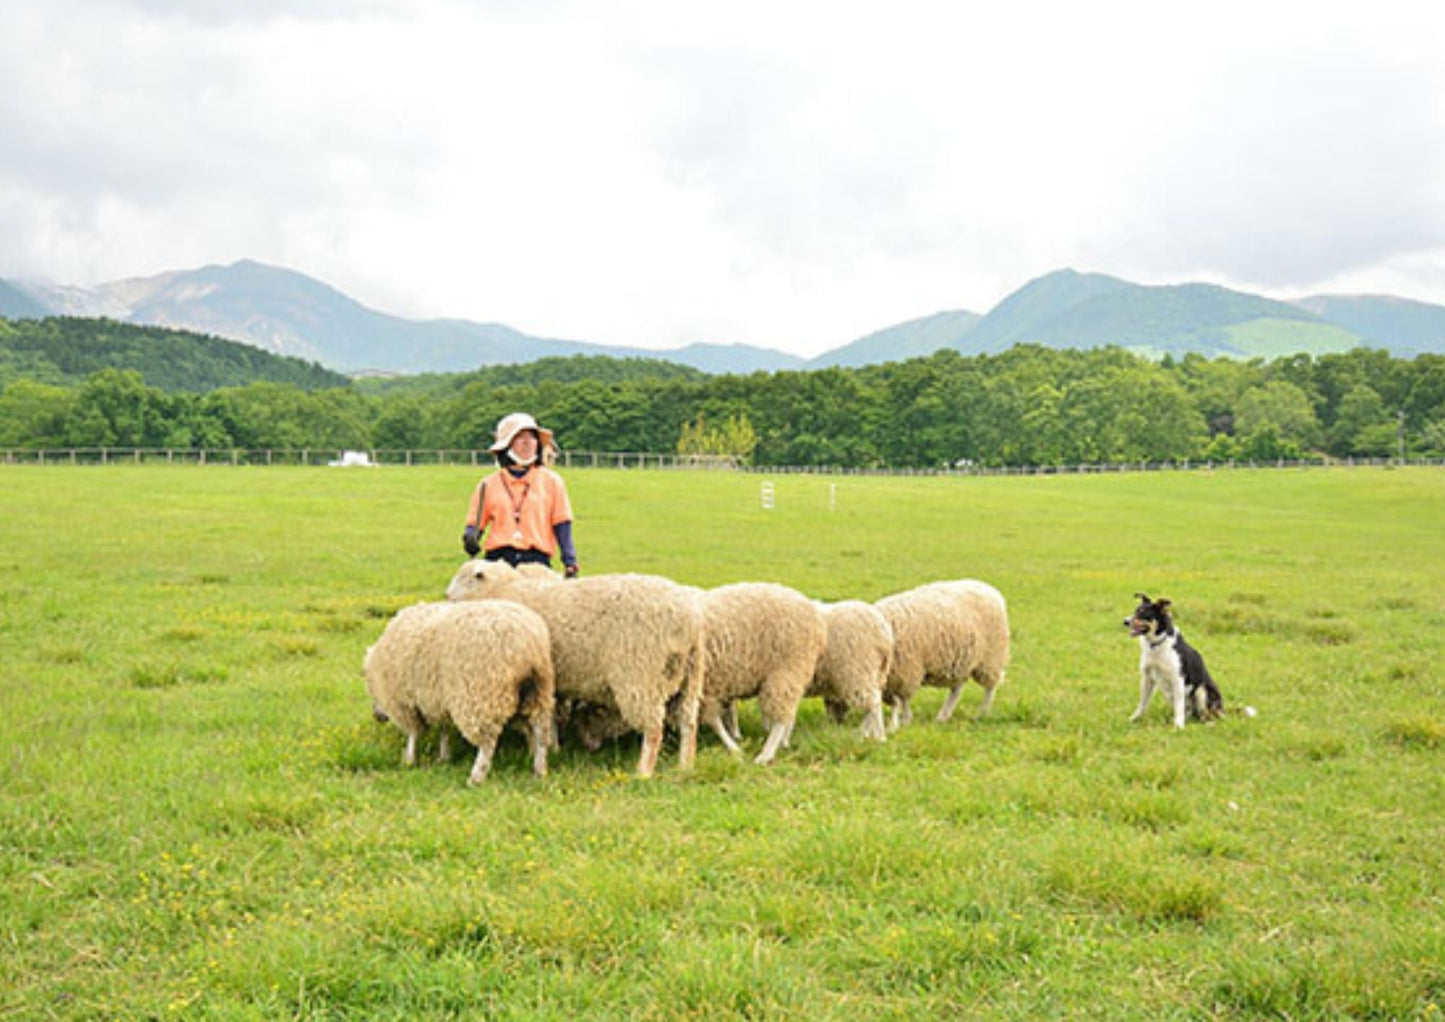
{"x": 1166, "y": 661}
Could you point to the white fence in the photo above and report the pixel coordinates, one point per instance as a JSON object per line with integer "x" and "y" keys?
{"x": 617, "y": 460}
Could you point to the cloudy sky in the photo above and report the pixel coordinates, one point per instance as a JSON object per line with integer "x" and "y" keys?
{"x": 784, "y": 173}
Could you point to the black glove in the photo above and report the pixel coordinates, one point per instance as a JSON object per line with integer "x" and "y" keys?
{"x": 470, "y": 541}
{"x": 570, "y": 571}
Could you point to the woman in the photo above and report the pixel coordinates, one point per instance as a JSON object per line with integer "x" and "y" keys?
{"x": 522, "y": 508}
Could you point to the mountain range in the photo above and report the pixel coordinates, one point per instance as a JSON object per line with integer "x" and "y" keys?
{"x": 289, "y": 313}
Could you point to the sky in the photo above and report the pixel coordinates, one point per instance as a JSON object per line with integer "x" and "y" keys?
{"x": 784, "y": 173}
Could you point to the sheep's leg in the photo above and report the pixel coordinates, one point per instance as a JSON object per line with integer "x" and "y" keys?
{"x": 444, "y": 745}
{"x": 990, "y": 686}
{"x": 687, "y": 744}
{"x": 486, "y": 745}
{"x": 542, "y": 735}
{"x": 711, "y": 714}
{"x": 651, "y": 746}
{"x": 409, "y": 756}
{"x": 950, "y": 702}
{"x": 730, "y": 721}
{"x": 775, "y": 739}
{"x": 721, "y": 731}
{"x": 837, "y": 709}
{"x": 873, "y": 724}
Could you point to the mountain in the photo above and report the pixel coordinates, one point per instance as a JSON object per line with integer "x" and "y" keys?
{"x": 16, "y": 304}
{"x": 1406, "y": 328}
{"x": 913, "y": 339}
{"x": 289, "y": 313}
{"x": 1068, "y": 309}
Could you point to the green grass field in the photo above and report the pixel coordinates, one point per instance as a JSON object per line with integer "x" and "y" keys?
{"x": 199, "y": 820}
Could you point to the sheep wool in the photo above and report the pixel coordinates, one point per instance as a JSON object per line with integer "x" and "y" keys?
{"x": 853, "y": 668}
{"x": 471, "y": 666}
{"x": 945, "y": 633}
{"x": 763, "y": 640}
{"x": 632, "y": 643}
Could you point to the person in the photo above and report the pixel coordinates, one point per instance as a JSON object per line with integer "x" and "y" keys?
{"x": 520, "y": 513}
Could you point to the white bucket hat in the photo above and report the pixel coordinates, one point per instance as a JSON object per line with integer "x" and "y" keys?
{"x": 511, "y": 425}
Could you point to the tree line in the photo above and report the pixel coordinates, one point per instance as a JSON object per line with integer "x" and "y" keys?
{"x": 1030, "y": 405}
{"x": 66, "y": 350}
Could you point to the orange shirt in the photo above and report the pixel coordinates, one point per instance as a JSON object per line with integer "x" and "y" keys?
{"x": 520, "y": 512}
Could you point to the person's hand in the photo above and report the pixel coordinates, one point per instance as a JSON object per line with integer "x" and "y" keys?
{"x": 570, "y": 571}
{"x": 471, "y": 542}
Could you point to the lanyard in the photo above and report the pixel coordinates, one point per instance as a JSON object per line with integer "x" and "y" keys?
{"x": 516, "y": 503}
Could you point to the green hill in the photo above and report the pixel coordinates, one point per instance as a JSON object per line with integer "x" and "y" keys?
{"x": 1399, "y": 325}
{"x": 66, "y": 350}
{"x": 1076, "y": 310}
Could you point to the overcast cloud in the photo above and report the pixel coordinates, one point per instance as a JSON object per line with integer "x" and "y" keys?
{"x": 788, "y": 174}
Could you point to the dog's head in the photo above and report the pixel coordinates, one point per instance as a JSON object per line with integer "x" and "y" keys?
{"x": 1150, "y": 618}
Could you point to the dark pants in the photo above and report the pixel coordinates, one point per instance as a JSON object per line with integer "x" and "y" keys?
{"x": 514, "y": 557}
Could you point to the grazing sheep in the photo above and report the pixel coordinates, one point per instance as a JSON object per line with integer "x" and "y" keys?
{"x": 943, "y": 634}
{"x": 763, "y": 640}
{"x": 470, "y": 666}
{"x": 853, "y": 669}
{"x": 632, "y": 643}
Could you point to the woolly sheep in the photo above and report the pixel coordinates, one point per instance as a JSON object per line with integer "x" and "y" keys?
{"x": 632, "y": 643}
{"x": 470, "y": 666}
{"x": 763, "y": 640}
{"x": 853, "y": 668}
{"x": 943, "y": 634}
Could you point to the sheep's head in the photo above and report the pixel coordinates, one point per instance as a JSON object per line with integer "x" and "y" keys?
{"x": 478, "y": 580}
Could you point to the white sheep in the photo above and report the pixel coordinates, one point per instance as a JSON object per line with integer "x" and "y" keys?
{"x": 470, "y": 666}
{"x": 632, "y": 643}
{"x": 945, "y": 633}
{"x": 853, "y": 668}
{"x": 763, "y": 640}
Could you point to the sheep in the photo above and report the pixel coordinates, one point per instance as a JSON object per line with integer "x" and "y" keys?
{"x": 943, "y": 634}
{"x": 470, "y": 666}
{"x": 632, "y": 643}
{"x": 853, "y": 668}
{"x": 763, "y": 640}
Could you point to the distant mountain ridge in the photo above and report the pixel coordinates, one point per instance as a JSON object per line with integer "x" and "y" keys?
{"x": 1068, "y": 309}
{"x": 289, "y": 313}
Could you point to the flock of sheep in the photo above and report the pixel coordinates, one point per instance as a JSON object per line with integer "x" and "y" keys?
{"x": 611, "y": 654}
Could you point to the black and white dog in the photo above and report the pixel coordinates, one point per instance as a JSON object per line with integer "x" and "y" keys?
{"x": 1166, "y": 661}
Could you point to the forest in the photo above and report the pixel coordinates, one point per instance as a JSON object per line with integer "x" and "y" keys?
{"x": 1030, "y": 405}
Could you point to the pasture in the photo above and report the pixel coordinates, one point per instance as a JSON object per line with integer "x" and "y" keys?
{"x": 199, "y": 819}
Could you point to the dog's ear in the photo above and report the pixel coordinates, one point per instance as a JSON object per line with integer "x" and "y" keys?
{"x": 1163, "y": 604}
{"x": 1142, "y": 597}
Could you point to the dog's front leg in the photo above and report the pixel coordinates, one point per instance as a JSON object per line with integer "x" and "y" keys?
{"x": 1146, "y": 693}
{"x": 1174, "y": 688}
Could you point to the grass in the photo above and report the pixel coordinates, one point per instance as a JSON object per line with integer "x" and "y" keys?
{"x": 198, "y": 819}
